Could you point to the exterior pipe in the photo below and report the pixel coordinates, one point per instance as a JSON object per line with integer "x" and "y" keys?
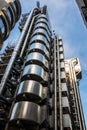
{"x": 60, "y": 95}
{"x": 55, "y": 88}
{"x": 82, "y": 124}
{"x": 81, "y": 109}
{"x": 74, "y": 87}
{"x": 15, "y": 53}
{"x": 27, "y": 37}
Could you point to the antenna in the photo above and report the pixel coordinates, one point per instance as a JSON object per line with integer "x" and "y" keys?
{"x": 38, "y": 4}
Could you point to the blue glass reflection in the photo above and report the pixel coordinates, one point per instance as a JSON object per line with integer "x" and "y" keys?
{"x": 14, "y": 6}
{"x": 2, "y": 26}
{"x": 9, "y": 14}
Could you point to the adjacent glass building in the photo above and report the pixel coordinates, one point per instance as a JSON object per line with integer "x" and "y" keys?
{"x": 10, "y": 11}
{"x": 82, "y": 4}
{"x": 39, "y": 89}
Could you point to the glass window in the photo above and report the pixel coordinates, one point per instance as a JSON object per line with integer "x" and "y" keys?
{"x": 9, "y": 14}
{"x": 2, "y": 26}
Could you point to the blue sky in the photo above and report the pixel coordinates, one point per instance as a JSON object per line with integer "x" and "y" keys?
{"x": 67, "y": 22}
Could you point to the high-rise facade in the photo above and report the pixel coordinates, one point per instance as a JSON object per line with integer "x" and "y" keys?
{"x": 73, "y": 74}
{"x": 10, "y": 11}
{"x": 39, "y": 89}
{"x": 82, "y": 4}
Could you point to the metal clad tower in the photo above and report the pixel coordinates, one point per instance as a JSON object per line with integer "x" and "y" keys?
{"x": 36, "y": 86}
{"x": 73, "y": 71}
{"x": 82, "y": 4}
{"x": 10, "y": 11}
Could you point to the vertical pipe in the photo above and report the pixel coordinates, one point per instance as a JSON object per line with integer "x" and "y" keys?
{"x": 80, "y": 107}
{"x": 82, "y": 124}
{"x": 27, "y": 37}
{"x": 15, "y": 53}
{"x": 55, "y": 88}
{"x": 59, "y": 83}
{"x": 72, "y": 75}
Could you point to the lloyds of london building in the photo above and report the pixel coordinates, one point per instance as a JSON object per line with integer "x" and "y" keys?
{"x": 39, "y": 89}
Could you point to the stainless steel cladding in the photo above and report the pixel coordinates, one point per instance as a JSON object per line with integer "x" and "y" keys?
{"x": 35, "y": 92}
{"x": 26, "y": 111}
{"x": 37, "y": 58}
{"x": 43, "y": 32}
{"x": 33, "y": 71}
{"x": 9, "y": 15}
{"x": 40, "y": 38}
{"x": 27, "y": 114}
{"x": 43, "y": 25}
{"x": 39, "y": 47}
{"x": 31, "y": 90}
